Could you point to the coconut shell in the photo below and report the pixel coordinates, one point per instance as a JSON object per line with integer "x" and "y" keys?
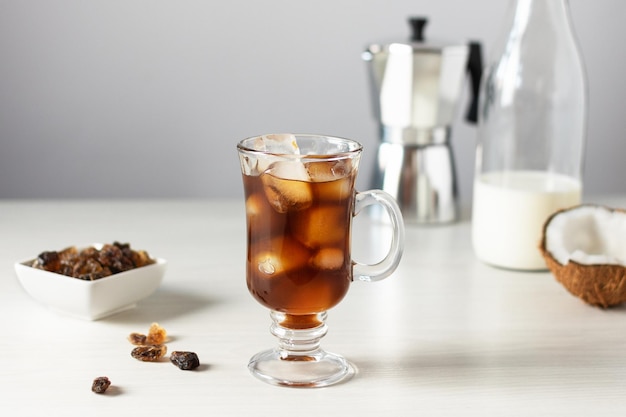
{"x": 598, "y": 285}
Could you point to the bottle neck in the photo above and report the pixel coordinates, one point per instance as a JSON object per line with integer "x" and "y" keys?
{"x": 540, "y": 16}
{"x": 539, "y": 28}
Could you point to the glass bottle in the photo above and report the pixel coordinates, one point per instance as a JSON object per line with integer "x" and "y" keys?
{"x": 531, "y": 134}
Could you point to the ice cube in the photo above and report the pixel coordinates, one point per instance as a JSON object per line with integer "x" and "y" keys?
{"x": 286, "y": 186}
{"x": 281, "y": 144}
{"x": 329, "y": 170}
{"x": 279, "y": 255}
{"x": 337, "y": 190}
{"x": 333, "y": 179}
{"x": 289, "y": 170}
{"x": 278, "y": 144}
{"x": 262, "y": 221}
{"x": 328, "y": 259}
{"x": 248, "y": 165}
{"x": 254, "y": 206}
{"x": 322, "y": 226}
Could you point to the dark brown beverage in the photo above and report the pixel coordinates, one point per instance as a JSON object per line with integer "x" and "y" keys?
{"x": 298, "y": 259}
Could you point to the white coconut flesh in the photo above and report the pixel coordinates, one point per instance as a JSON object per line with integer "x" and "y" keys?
{"x": 589, "y": 235}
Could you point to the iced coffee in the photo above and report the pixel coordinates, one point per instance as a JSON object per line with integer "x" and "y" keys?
{"x": 299, "y": 213}
{"x": 300, "y": 201}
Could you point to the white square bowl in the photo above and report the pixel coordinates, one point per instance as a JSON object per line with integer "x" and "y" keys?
{"x": 90, "y": 300}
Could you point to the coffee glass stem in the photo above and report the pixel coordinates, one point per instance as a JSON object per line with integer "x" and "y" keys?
{"x": 299, "y": 361}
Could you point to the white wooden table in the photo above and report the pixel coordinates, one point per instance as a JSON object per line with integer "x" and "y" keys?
{"x": 444, "y": 336}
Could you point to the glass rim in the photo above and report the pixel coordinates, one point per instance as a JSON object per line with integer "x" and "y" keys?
{"x": 356, "y": 147}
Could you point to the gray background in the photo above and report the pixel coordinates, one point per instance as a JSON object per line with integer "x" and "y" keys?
{"x": 129, "y": 98}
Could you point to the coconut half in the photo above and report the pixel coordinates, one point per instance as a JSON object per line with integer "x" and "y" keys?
{"x": 585, "y": 248}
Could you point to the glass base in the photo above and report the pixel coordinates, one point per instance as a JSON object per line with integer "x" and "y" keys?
{"x": 299, "y": 361}
{"x": 321, "y": 370}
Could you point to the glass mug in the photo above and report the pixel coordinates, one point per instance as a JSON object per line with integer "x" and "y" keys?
{"x": 300, "y": 200}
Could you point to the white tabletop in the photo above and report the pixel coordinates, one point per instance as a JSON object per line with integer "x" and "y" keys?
{"x": 445, "y": 335}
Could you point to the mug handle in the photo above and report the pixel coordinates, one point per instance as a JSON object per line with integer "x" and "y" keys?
{"x": 384, "y": 268}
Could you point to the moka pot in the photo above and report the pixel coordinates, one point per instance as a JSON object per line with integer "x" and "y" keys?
{"x": 416, "y": 86}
